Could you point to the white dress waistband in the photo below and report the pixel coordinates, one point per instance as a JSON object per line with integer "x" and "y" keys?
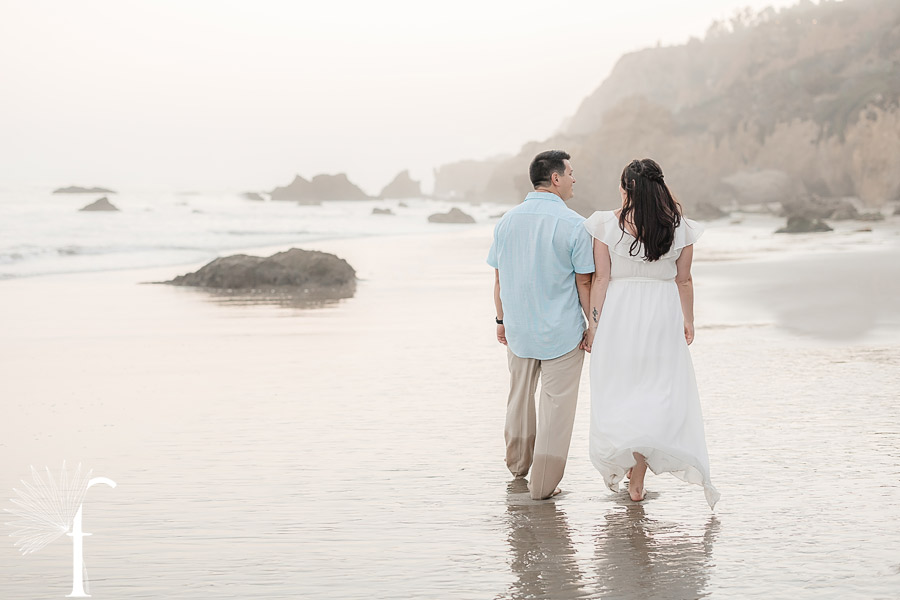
{"x": 642, "y": 279}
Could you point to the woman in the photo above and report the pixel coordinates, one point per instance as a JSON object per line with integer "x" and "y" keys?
{"x": 645, "y": 409}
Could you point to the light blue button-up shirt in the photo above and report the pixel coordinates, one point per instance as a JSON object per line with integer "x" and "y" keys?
{"x": 538, "y": 247}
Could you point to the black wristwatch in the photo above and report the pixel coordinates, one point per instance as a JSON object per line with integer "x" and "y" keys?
{"x": 499, "y": 321}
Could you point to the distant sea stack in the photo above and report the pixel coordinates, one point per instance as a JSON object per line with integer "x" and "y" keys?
{"x": 454, "y": 216}
{"x": 808, "y": 95}
{"x": 293, "y": 272}
{"x": 321, "y": 188}
{"x": 103, "y": 204}
{"x": 74, "y": 189}
{"x": 403, "y": 186}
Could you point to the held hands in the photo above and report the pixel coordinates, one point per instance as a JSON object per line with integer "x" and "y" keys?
{"x": 501, "y": 334}
{"x": 587, "y": 339}
{"x": 688, "y": 332}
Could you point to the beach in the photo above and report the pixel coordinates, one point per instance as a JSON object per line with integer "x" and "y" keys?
{"x": 354, "y": 449}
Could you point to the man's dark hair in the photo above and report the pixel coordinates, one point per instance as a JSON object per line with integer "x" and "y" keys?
{"x": 545, "y": 164}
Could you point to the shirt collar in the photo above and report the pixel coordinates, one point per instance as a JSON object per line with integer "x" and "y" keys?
{"x": 543, "y": 196}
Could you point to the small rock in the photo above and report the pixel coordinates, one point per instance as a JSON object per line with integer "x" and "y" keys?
{"x": 403, "y": 205}
{"x": 844, "y": 212}
{"x": 870, "y": 216}
{"x": 798, "y": 224}
{"x": 705, "y": 211}
{"x": 253, "y": 196}
{"x": 382, "y": 211}
{"x": 454, "y": 216}
{"x": 101, "y": 204}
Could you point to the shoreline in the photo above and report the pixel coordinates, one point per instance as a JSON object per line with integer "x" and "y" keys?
{"x": 837, "y": 286}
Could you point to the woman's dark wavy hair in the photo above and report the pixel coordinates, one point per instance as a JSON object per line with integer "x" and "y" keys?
{"x": 650, "y": 207}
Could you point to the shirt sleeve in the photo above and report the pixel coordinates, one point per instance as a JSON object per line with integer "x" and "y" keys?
{"x": 582, "y": 250}
{"x": 492, "y": 253}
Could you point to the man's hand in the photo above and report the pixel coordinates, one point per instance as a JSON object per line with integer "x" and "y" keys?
{"x": 501, "y": 334}
{"x": 688, "y": 332}
{"x": 587, "y": 339}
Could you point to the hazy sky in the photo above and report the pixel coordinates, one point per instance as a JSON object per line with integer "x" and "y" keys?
{"x": 221, "y": 95}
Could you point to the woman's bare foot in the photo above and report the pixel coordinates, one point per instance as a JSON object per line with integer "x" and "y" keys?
{"x": 628, "y": 474}
{"x": 637, "y": 493}
{"x": 636, "y": 478}
{"x": 556, "y": 492}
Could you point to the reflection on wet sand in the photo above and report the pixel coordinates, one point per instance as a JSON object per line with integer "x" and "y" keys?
{"x": 640, "y": 558}
{"x": 542, "y": 553}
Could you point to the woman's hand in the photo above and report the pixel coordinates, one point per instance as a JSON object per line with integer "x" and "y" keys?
{"x": 587, "y": 339}
{"x": 688, "y": 332}
{"x": 501, "y": 334}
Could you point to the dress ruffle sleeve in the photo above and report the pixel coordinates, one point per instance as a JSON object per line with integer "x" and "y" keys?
{"x": 600, "y": 224}
{"x": 604, "y": 226}
{"x": 688, "y": 232}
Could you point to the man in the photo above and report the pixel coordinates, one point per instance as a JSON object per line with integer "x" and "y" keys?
{"x": 543, "y": 260}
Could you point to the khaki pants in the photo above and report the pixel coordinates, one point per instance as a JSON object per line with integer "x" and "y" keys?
{"x": 543, "y": 446}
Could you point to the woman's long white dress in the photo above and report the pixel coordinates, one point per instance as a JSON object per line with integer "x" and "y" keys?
{"x": 644, "y": 394}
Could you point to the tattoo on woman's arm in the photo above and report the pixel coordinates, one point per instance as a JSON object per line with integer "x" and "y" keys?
{"x": 595, "y": 315}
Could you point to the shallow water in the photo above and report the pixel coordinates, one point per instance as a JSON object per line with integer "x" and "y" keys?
{"x": 356, "y": 450}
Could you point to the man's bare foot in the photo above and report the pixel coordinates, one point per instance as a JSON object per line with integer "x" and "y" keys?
{"x": 556, "y": 492}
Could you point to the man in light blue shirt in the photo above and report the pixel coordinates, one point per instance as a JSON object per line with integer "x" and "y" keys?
{"x": 543, "y": 260}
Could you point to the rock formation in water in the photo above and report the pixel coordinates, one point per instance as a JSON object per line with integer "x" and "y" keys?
{"x": 293, "y": 271}
{"x": 812, "y": 207}
{"x": 467, "y": 179}
{"x": 454, "y": 216}
{"x": 767, "y": 106}
{"x": 253, "y": 196}
{"x": 403, "y": 186}
{"x": 74, "y": 189}
{"x": 798, "y": 224}
{"x": 382, "y": 211}
{"x": 322, "y": 188}
{"x": 103, "y": 204}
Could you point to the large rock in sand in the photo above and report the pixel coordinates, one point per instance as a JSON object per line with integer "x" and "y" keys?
{"x": 100, "y": 205}
{"x": 297, "y": 271}
{"x": 454, "y": 216}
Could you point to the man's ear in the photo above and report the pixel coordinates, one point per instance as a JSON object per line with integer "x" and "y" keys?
{"x": 554, "y": 178}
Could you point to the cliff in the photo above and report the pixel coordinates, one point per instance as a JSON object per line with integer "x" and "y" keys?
{"x": 809, "y": 95}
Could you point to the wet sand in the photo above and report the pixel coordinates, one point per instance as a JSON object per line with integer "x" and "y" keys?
{"x": 355, "y": 450}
